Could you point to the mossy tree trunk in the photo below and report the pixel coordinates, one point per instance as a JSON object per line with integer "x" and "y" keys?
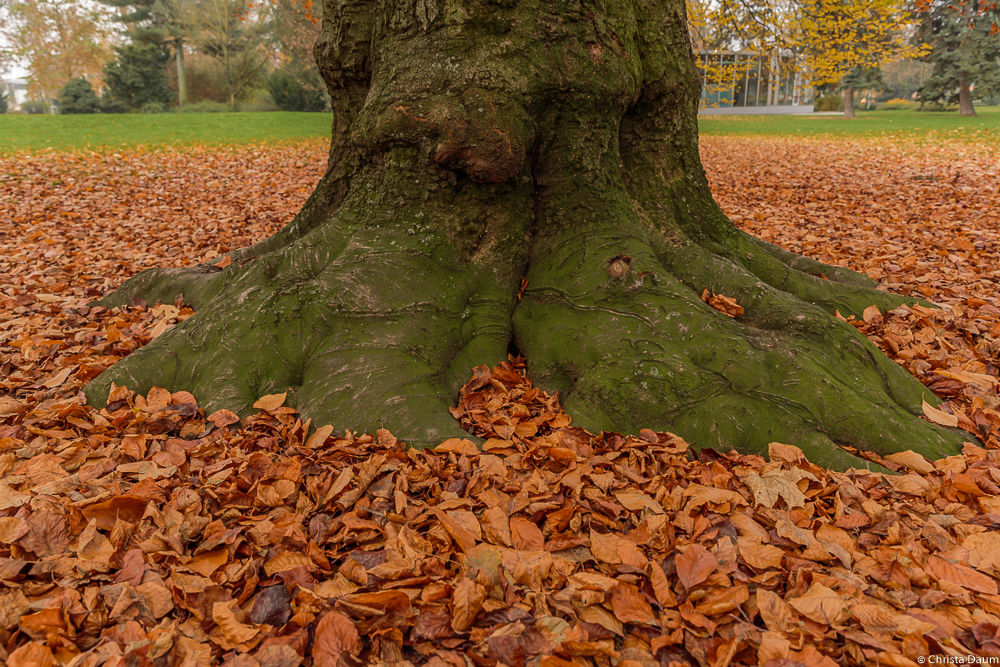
{"x": 480, "y": 141}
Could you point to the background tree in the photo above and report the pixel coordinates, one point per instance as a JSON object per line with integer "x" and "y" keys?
{"x": 845, "y": 39}
{"x": 4, "y": 56}
{"x": 861, "y": 79}
{"x": 77, "y": 96}
{"x": 4, "y": 101}
{"x": 903, "y": 78}
{"x": 58, "y": 40}
{"x": 965, "y": 50}
{"x": 233, "y": 32}
{"x": 137, "y": 76}
{"x": 538, "y": 190}
{"x": 292, "y": 29}
{"x": 158, "y": 22}
{"x": 290, "y": 95}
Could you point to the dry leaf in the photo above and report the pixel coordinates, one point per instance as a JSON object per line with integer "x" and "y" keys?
{"x": 630, "y": 606}
{"x": 457, "y": 446}
{"x": 820, "y": 605}
{"x": 723, "y": 304}
{"x": 336, "y": 640}
{"x": 526, "y": 535}
{"x": 959, "y": 574}
{"x": 694, "y": 565}
{"x": 939, "y": 416}
{"x": 319, "y": 437}
{"x": 58, "y": 378}
{"x": 234, "y": 631}
{"x": 912, "y": 460}
{"x": 271, "y": 402}
{"x": 466, "y": 603}
{"x": 759, "y": 556}
{"x": 775, "y": 612}
{"x": 773, "y": 485}
{"x": 636, "y": 500}
{"x": 871, "y": 314}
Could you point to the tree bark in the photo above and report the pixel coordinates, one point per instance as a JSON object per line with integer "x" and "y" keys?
{"x": 181, "y": 73}
{"x": 849, "y": 102}
{"x": 474, "y": 145}
{"x": 965, "y": 107}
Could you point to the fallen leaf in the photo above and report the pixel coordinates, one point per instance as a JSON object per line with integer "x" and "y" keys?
{"x": 773, "y": 485}
{"x": 466, "y": 603}
{"x": 336, "y": 639}
{"x": 723, "y": 304}
{"x": 820, "y": 605}
{"x": 271, "y": 402}
{"x": 526, "y": 535}
{"x": 630, "y": 606}
{"x": 694, "y": 565}
{"x": 939, "y": 416}
{"x": 759, "y": 556}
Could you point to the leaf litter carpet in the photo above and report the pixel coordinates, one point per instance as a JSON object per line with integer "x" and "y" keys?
{"x": 149, "y": 533}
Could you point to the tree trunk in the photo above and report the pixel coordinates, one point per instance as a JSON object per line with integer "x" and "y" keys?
{"x": 182, "y": 92}
{"x": 475, "y": 147}
{"x": 229, "y": 82}
{"x": 849, "y": 102}
{"x": 965, "y": 107}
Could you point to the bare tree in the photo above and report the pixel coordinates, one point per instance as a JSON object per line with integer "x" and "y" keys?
{"x": 58, "y": 40}
{"x": 233, "y": 33}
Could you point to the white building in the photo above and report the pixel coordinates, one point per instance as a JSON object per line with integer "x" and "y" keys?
{"x": 17, "y": 91}
{"x": 747, "y": 82}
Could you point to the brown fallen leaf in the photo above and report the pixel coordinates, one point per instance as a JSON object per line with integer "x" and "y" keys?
{"x": 939, "y": 416}
{"x": 336, "y": 640}
{"x": 271, "y": 402}
{"x": 959, "y": 574}
{"x": 723, "y": 304}
{"x": 58, "y": 378}
{"x": 525, "y": 535}
{"x": 760, "y": 556}
{"x": 694, "y": 565}
{"x": 466, "y": 603}
{"x": 773, "y": 485}
{"x": 630, "y": 606}
{"x": 820, "y": 605}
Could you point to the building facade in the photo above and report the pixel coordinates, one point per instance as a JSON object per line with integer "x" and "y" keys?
{"x": 746, "y": 82}
{"x": 17, "y": 92}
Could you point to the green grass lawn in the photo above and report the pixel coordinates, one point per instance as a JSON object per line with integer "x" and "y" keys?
{"x": 104, "y": 132}
{"x": 920, "y": 126}
{"x": 112, "y": 131}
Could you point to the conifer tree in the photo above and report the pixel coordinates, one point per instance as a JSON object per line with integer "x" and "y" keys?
{"x": 965, "y": 51}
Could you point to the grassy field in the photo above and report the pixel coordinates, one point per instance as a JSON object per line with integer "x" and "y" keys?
{"x": 99, "y": 131}
{"x": 919, "y": 125}
{"x": 103, "y": 132}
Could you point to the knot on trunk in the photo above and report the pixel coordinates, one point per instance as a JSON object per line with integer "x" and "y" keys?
{"x": 479, "y": 132}
{"x": 619, "y": 266}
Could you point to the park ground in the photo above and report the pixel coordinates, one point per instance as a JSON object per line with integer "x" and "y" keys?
{"x": 153, "y": 531}
{"x": 103, "y": 132}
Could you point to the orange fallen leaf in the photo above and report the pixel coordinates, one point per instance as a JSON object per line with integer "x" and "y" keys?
{"x": 694, "y": 565}
{"x": 723, "y": 304}
{"x": 939, "y": 416}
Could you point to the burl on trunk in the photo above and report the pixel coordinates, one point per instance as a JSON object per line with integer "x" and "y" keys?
{"x": 476, "y": 142}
